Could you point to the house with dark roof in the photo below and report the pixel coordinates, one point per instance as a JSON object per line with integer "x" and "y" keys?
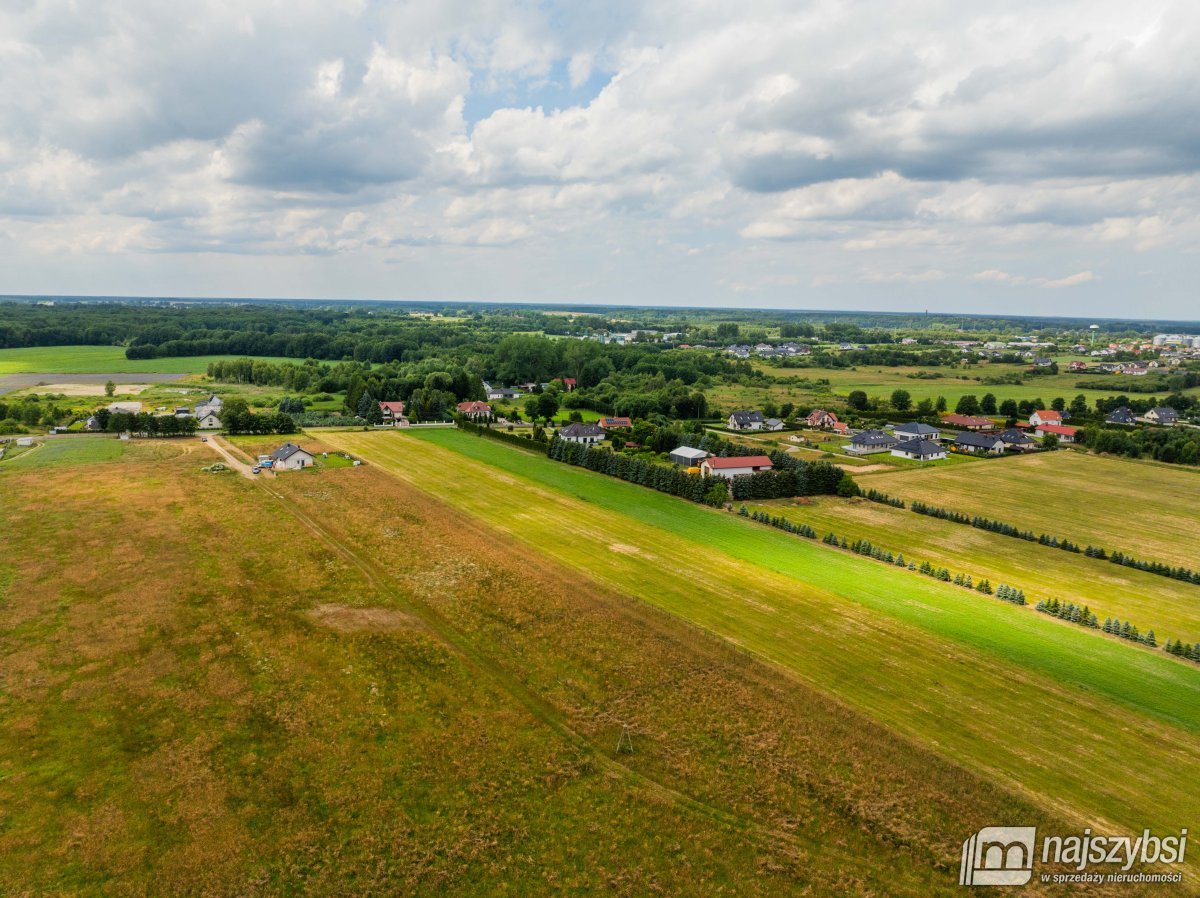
{"x": 867, "y": 442}
{"x": 735, "y": 466}
{"x": 1016, "y": 440}
{"x": 916, "y": 431}
{"x": 1164, "y": 415}
{"x": 773, "y": 424}
{"x": 978, "y": 444}
{"x": 207, "y": 419}
{"x": 1123, "y": 416}
{"x": 290, "y": 457}
{"x": 752, "y": 420}
{"x": 688, "y": 457}
{"x": 920, "y": 450}
{"x": 588, "y": 434}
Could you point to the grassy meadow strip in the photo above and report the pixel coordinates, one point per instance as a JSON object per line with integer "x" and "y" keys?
{"x": 103, "y": 360}
{"x": 1004, "y": 690}
{"x": 1144, "y": 509}
{"x": 1169, "y": 608}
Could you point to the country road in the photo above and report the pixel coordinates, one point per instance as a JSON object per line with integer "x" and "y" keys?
{"x": 226, "y": 452}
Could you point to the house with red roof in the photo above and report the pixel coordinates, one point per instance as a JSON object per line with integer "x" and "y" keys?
{"x": 568, "y": 383}
{"x": 1045, "y": 416}
{"x": 608, "y": 423}
{"x": 969, "y": 422}
{"x": 1065, "y": 433}
{"x": 732, "y": 467}
{"x": 821, "y": 419}
{"x": 475, "y": 410}
{"x": 393, "y": 414}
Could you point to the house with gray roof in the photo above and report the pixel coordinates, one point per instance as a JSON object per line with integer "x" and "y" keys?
{"x": 867, "y": 442}
{"x": 919, "y": 450}
{"x": 916, "y": 430}
{"x": 290, "y": 457}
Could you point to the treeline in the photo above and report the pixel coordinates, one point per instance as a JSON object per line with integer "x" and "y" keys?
{"x": 664, "y": 478}
{"x": 145, "y": 424}
{"x": 1175, "y": 445}
{"x": 535, "y": 441}
{"x": 1152, "y": 567}
{"x": 779, "y": 522}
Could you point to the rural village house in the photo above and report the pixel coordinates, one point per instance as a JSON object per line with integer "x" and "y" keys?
{"x": 870, "y": 441}
{"x": 1045, "y": 416}
{"x": 475, "y": 410}
{"x": 746, "y": 421}
{"x": 393, "y": 414}
{"x": 979, "y": 444}
{"x": 588, "y": 434}
{"x": 820, "y": 419}
{"x": 732, "y": 467}
{"x": 1164, "y": 415}
{"x": 291, "y": 457}
{"x": 921, "y": 450}
{"x": 1065, "y": 433}
{"x": 916, "y": 431}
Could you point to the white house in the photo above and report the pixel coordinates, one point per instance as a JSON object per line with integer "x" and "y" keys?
{"x": 1045, "y": 416}
{"x": 916, "y": 431}
{"x": 773, "y": 424}
{"x": 393, "y": 414}
{"x": 588, "y": 434}
{"x": 871, "y": 441}
{"x": 732, "y": 467}
{"x": 746, "y": 421}
{"x": 1164, "y": 415}
{"x": 291, "y": 457}
{"x": 207, "y": 417}
{"x": 921, "y": 450}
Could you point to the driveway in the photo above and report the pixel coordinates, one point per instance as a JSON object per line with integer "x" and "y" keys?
{"x": 224, "y": 450}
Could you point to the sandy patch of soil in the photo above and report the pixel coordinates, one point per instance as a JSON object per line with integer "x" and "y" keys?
{"x": 357, "y": 620}
{"x": 75, "y": 389}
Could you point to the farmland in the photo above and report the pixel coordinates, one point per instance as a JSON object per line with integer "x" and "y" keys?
{"x": 1145, "y": 509}
{"x": 910, "y": 653}
{"x": 100, "y": 360}
{"x": 921, "y": 383}
{"x": 443, "y": 722}
{"x": 1170, "y": 608}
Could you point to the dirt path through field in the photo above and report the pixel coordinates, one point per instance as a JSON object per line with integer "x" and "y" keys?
{"x": 224, "y": 450}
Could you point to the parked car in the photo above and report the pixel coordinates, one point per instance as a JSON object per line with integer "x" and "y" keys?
{"x": 256, "y": 469}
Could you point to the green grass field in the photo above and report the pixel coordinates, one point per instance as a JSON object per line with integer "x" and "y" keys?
{"x": 1170, "y": 608}
{"x": 878, "y": 383}
{"x": 54, "y": 451}
{"x": 1007, "y": 692}
{"x": 338, "y": 686}
{"x": 1145, "y": 509}
{"x": 102, "y": 360}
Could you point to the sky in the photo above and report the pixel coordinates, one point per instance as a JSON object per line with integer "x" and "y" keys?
{"x": 1017, "y": 157}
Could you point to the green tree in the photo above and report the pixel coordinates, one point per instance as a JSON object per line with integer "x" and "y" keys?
{"x": 1079, "y": 406}
{"x": 967, "y": 405}
{"x": 857, "y": 400}
{"x": 109, "y": 388}
{"x": 940, "y": 405}
{"x": 1008, "y": 408}
{"x": 988, "y": 404}
{"x": 1058, "y": 404}
{"x": 901, "y": 400}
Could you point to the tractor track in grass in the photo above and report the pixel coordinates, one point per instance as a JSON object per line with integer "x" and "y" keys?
{"x": 542, "y": 710}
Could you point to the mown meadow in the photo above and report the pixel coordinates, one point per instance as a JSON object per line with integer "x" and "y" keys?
{"x": 1097, "y": 730}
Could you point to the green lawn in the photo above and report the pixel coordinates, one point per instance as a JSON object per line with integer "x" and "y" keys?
{"x": 1148, "y": 510}
{"x": 1170, "y": 608}
{"x": 996, "y": 687}
{"x": 103, "y": 360}
{"x": 48, "y": 452}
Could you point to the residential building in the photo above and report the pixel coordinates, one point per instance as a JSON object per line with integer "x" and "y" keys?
{"x": 1017, "y": 440}
{"x": 1045, "y": 416}
{"x": 1123, "y": 416}
{"x": 607, "y": 423}
{"x": 867, "y": 442}
{"x": 978, "y": 444}
{"x": 969, "y": 422}
{"x": 290, "y": 457}
{"x": 916, "y": 430}
{"x": 821, "y": 419}
{"x": 752, "y": 420}
{"x": 1064, "y": 432}
{"x": 773, "y": 424}
{"x": 393, "y": 413}
{"x": 475, "y": 410}
{"x": 207, "y": 418}
{"x": 588, "y": 434}
{"x": 732, "y": 467}
{"x": 920, "y": 450}
{"x": 1164, "y": 415}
